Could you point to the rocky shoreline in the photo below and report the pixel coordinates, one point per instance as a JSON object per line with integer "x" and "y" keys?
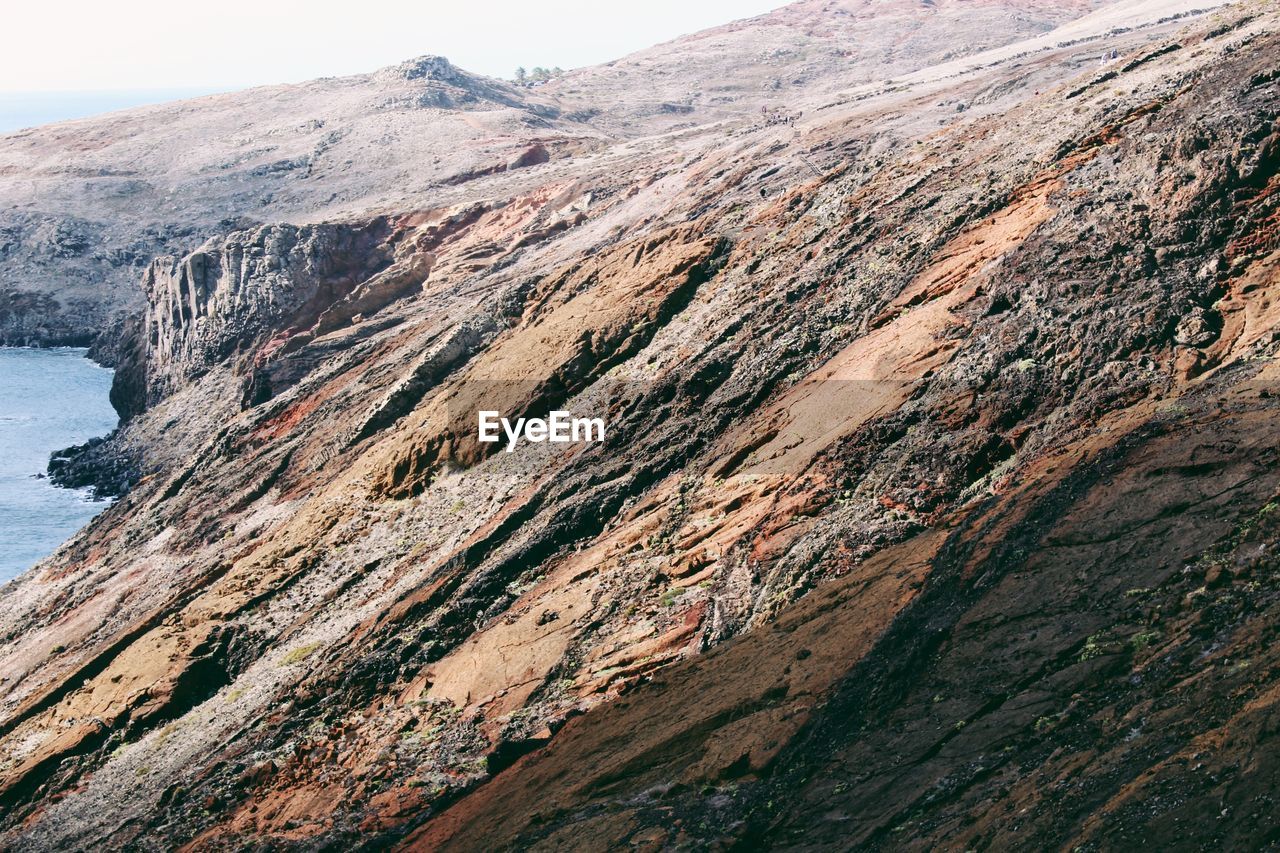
{"x": 95, "y": 465}
{"x": 99, "y": 464}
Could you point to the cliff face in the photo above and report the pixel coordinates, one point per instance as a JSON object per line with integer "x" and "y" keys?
{"x": 936, "y": 509}
{"x": 232, "y": 295}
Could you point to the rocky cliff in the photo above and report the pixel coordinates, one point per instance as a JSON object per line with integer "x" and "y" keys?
{"x": 937, "y": 507}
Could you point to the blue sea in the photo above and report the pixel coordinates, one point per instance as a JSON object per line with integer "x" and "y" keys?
{"x": 29, "y": 109}
{"x": 49, "y": 399}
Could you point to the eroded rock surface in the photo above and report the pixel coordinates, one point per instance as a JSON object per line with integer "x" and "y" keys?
{"x": 938, "y": 507}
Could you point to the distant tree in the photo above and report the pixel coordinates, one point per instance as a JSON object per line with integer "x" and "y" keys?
{"x": 522, "y": 76}
{"x": 540, "y": 74}
{"x": 557, "y": 71}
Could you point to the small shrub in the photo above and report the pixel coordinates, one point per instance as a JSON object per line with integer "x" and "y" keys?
{"x": 1143, "y": 640}
{"x": 299, "y": 654}
{"x": 1093, "y": 647}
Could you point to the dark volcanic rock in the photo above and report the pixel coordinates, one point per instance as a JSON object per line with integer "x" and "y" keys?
{"x": 104, "y": 469}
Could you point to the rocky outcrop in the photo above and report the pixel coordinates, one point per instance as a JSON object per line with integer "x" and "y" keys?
{"x": 937, "y": 507}
{"x": 232, "y": 295}
{"x": 36, "y": 318}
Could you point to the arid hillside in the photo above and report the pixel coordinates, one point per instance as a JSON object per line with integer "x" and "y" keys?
{"x": 85, "y": 205}
{"x": 937, "y": 507}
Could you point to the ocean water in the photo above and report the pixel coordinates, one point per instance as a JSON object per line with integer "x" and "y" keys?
{"x": 49, "y": 399}
{"x": 20, "y": 110}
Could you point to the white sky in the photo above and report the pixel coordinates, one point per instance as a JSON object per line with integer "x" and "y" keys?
{"x": 152, "y": 44}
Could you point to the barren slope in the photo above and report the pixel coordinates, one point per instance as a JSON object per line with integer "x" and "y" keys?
{"x": 85, "y": 205}
{"x": 937, "y": 509}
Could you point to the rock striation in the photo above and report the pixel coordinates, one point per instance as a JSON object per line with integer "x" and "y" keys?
{"x": 937, "y": 509}
{"x": 234, "y": 294}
